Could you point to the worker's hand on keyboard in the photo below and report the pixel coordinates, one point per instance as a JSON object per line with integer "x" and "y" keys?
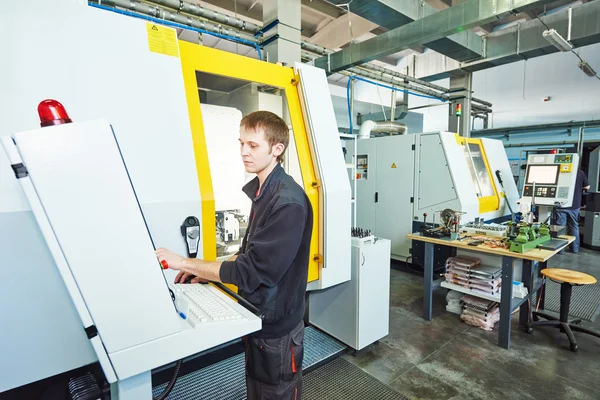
{"x": 174, "y": 261}
{"x": 183, "y": 277}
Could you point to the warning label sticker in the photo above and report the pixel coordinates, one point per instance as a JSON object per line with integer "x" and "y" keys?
{"x": 393, "y": 165}
{"x": 162, "y": 40}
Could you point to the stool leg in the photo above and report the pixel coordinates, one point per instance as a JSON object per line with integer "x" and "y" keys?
{"x": 565, "y": 301}
{"x": 545, "y": 316}
{"x": 567, "y": 329}
{"x": 584, "y": 330}
{"x": 542, "y": 290}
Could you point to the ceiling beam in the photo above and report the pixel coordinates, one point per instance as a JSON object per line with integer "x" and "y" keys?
{"x": 254, "y": 14}
{"x": 436, "y": 26}
{"x": 324, "y": 8}
{"x": 529, "y": 14}
{"x": 337, "y": 32}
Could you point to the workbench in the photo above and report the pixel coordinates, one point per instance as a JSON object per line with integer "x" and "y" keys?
{"x": 533, "y": 261}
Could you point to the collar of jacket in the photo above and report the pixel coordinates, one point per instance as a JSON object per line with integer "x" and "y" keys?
{"x": 251, "y": 187}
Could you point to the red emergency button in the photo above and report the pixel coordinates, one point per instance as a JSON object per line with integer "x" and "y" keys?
{"x": 165, "y": 264}
{"x": 52, "y": 112}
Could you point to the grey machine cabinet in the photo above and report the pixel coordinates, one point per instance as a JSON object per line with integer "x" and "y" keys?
{"x": 385, "y": 186}
{"x": 591, "y": 230}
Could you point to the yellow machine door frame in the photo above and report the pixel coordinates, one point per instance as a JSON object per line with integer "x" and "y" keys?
{"x": 204, "y": 59}
{"x": 487, "y": 203}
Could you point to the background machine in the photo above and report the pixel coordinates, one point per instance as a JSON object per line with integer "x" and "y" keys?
{"x": 405, "y": 180}
{"x": 591, "y": 232}
{"x": 173, "y": 144}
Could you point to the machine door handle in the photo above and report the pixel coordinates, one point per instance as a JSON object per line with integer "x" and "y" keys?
{"x": 376, "y": 197}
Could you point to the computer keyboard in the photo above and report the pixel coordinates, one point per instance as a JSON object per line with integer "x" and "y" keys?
{"x": 201, "y": 305}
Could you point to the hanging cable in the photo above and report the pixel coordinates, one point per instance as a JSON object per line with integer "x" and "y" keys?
{"x": 381, "y": 102}
{"x": 180, "y": 26}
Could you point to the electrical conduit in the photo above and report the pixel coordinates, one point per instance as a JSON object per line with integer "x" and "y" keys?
{"x": 162, "y": 17}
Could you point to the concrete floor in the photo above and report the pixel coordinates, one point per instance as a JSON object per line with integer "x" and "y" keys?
{"x": 447, "y": 359}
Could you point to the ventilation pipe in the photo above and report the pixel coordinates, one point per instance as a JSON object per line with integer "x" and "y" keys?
{"x": 391, "y": 127}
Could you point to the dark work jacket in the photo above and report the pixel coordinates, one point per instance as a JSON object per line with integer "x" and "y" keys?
{"x": 271, "y": 269}
{"x": 580, "y": 183}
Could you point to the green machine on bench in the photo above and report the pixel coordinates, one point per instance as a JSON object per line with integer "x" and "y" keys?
{"x": 529, "y": 237}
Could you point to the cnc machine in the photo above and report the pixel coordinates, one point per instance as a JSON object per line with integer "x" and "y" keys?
{"x": 406, "y": 180}
{"x": 152, "y": 143}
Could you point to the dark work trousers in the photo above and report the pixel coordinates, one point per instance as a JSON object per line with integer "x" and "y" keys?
{"x": 274, "y": 366}
{"x": 570, "y": 219}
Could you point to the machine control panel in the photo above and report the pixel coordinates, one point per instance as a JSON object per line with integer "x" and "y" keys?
{"x": 563, "y": 159}
{"x": 540, "y": 191}
{"x": 553, "y": 177}
{"x": 362, "y": 166}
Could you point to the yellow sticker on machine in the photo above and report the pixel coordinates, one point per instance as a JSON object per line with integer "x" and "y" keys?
{"x": 393, "y": 165}
{"x": 162, "y": 40}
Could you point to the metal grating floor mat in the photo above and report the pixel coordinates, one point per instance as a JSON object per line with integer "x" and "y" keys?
{"x": 318, "y": 347}
{"x": 341, "y": 380}
{"x": 585, "y": 300}
{"x": 226, "y": 380}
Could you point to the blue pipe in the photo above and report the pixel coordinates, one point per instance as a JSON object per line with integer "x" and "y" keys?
{"x": 181, "y": 26}
{"x": 358, "y": 78}
{"x": 349, "y": 105}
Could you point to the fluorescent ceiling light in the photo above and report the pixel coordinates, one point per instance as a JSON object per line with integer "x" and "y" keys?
{"x": 587, "y": 68}
{"x": 556, "y": 40}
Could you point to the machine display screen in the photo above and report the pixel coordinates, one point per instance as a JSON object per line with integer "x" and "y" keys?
{"x": 542, "y": 174}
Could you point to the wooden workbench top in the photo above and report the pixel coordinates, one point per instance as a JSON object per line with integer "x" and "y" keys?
{"x": 533, "y": 255}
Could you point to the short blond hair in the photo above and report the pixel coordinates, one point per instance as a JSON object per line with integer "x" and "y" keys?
{"x": 275, "y": 128}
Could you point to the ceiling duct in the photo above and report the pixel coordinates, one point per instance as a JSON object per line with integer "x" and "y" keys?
{"x": 457, "y": 18}
{"x": 391, "y": 127}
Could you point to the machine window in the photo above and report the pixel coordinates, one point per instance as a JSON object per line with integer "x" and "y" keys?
{"x": 224, "y": 101}
{"x": 479, "y": 172}
{"x": 542, "y": 174}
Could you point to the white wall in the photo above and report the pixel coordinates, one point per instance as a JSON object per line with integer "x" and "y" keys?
{"x": 516, "y": 90}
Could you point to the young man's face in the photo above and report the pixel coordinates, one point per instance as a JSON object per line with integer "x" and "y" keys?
{"x": 256, "y": 152}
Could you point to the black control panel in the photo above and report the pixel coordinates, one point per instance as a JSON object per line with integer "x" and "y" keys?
{"x": 563, "y": 158}
{"x": 540, "y": 191}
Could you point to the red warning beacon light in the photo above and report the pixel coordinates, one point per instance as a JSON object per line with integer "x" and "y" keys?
{"x": 51, "y": 112}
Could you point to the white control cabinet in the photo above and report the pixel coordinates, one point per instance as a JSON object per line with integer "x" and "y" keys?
{"x": 357, "y": 312}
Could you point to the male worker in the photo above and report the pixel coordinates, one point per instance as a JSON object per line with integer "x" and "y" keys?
{"x": 271, "y": 269}
{"x": 569, "y": 216}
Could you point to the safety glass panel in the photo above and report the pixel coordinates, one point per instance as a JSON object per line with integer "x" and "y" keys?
{"x": 482, "y": 181}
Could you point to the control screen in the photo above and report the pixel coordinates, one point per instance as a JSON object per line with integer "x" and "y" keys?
{"x": 542, "y": 174}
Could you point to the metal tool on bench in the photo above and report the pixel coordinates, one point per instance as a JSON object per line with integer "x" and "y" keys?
{"x": 449, "y": 225}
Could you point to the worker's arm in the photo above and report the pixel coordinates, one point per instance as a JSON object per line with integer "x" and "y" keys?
{"x": 270, "y": 251}
{"x": 201, "y": 270}
{"x": 265, "y": 261}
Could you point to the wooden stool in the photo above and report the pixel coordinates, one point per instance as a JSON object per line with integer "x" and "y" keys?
{"x": 567, "y": 279}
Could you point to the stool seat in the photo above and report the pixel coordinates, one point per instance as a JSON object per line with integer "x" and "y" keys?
{"x": 568, "y": 276}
